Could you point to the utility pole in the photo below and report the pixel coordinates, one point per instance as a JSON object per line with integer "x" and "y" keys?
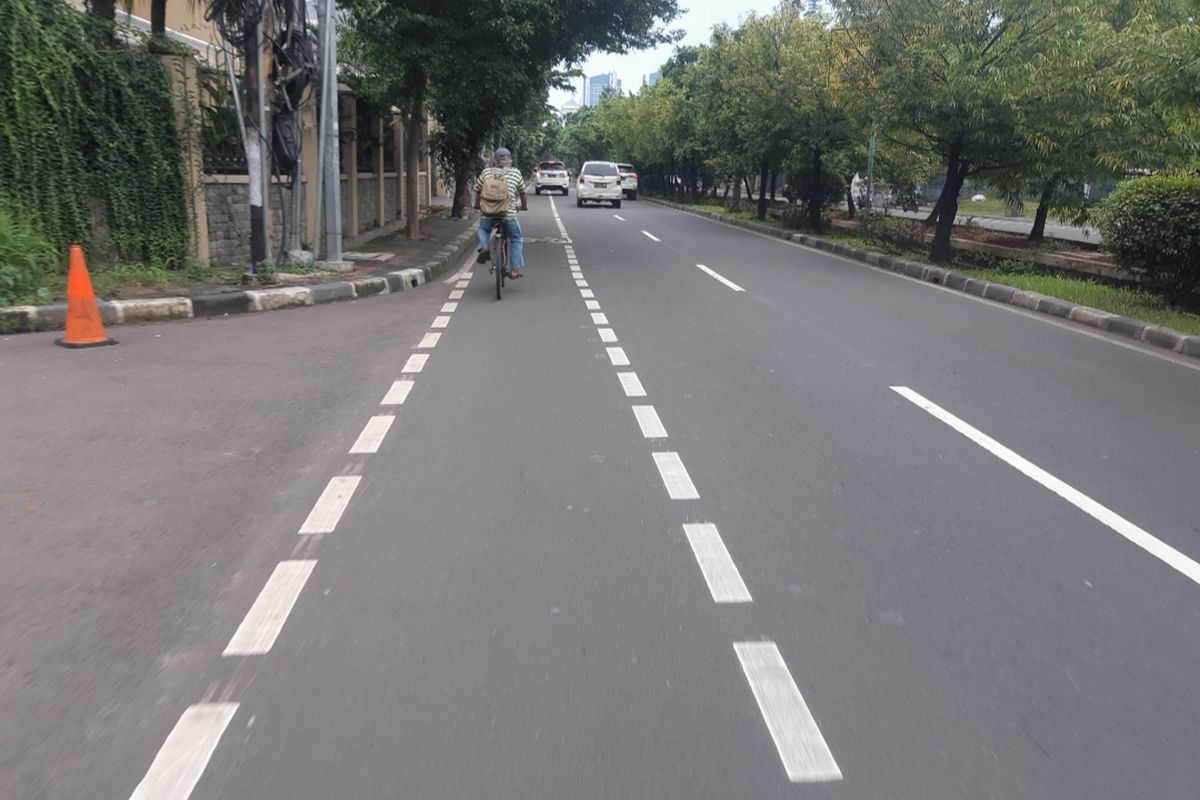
{"x": 257, "y": 136}
{"x": 329, "y": 170}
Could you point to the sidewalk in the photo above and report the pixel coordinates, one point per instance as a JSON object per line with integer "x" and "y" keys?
{"x": 389, "y": 263}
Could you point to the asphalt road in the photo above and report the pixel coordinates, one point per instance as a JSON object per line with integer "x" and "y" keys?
{"x": 1021, "y": 226}
{"x": 829, "y": 533}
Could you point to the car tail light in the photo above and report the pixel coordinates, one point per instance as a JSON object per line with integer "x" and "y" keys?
{"x": 632, "y": 175}
{"x": 582, "y": 179}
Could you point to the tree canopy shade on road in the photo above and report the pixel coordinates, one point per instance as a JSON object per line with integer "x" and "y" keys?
{"x": 480, "y": 64}
{"x": 1032, "y": 96}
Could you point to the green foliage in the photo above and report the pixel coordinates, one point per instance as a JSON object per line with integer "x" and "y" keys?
{"x": 894, "y": 234}
{"x": 1153, "y": 225}
{"x": 26, "y": 258}
{"x": 88, "y": 146}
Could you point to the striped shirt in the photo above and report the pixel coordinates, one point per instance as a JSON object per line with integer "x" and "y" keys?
{"x": 516, "y": 185}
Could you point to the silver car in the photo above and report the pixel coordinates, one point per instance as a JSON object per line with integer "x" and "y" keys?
{"x": 599, "y": 181}
{"x": 629, "y": 180}
{"x": 550, "y": 175}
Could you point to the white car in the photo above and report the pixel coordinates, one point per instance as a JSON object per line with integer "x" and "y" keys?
{"x": 599, "y": 181}
{"x": 550, "y": 175}
{"x": 629, "y": 180}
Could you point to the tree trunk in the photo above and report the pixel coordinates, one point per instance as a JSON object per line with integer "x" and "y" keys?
{"x": 849, "y": 201}
{"x": 461, "y": 190}
{"x": 815, "y": 192}
{"x": 158, "y": 18}
{"x": 1039, "y": 220}
{"x": 764, "y": 173}
{"x": 774, "y": 175}
{"x": 104, "y": 9}
{"x": 737, "y": 188}
{"x": 414, "y": 134}
{"x": 947, "y": 210}
{"x": 749, "y": 188}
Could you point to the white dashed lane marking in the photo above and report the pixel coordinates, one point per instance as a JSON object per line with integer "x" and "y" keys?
{"x": 720, "y": 278}
{"x": 648, "y": 421}
{"x": 258, "y": 631}
{"x": 720, "y": 573}
{"x": 415, "y": 363}
{"x": 185, "y": 753}
{"x": 607, "y": 335}
{"x": 456, "y": 294}
{"x": 449, "y": 308}
{"x": 440, "y": 322}
{"x": 806, "y": 757}
{"x": 618, "y": 216}
{"x": 462, "y": 284}
{"x": 429, "y": 340}
{"x": 599, "y": 318}
{"x": 592, "y": 305}
{"x": 1143, "y": 539}
{"x": 397, "y": 394}
{"x": 331, "y": 504}
{"x": 617, "y": 356}
{"x": 675, "y": 476}
{"x": 582, "y": 284}
{"x": 587, "y": 294}
{"x": 650, "y": 235}
{"x": 372, "y": 434}
{"x": 631, "y": 384}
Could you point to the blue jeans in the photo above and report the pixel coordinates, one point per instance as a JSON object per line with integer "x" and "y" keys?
{"x": 516, "y": 245}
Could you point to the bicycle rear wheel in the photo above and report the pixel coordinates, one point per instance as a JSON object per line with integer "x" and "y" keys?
{"x": 499, "y": 262}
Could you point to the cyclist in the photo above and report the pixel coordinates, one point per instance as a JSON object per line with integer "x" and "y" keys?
{"x": 503, "y": 169}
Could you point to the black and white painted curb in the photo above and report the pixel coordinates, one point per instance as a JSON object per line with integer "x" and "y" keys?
{"x": 1149, "y": 333}
{"x": 23, "y": 319}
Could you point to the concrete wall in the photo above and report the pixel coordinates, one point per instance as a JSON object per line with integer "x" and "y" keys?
{"x": 228, "y": 204}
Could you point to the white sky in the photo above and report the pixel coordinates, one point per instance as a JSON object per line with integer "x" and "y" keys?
{"x": 698, "y": 20}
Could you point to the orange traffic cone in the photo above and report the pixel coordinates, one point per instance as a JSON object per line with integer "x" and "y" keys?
{"x": 83, "y": 326}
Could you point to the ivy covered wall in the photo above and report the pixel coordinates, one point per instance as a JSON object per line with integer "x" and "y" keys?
{"x": 88, "y": 147}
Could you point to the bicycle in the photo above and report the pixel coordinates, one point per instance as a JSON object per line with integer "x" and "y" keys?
{"x": 498, "y": 246}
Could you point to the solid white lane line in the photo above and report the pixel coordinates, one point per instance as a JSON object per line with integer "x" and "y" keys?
{"x": 440, "y": 322}
{"x": 333, "y": 501}
{"x": 599, "y": 318}
{"x": 720, "y": 573}
{"x": 806, "y": 757}
{"x": 721, "y": 278}
{"x": 415, "y": 363}
{"x": 258, "y": 631}
{"x": 429, "y": 340}
{"x": 184, "y": 755}
{"x": 618, "y": 216}
{"x": 651, "y": 236}
{"x": 675, "y": 476}
{"x": 582, "y": 284}
{"x": 586, "y": 294}
{"x": 648, "y": 421}
{"x": 1143, "y": 539}
{"x": 456, "y": 294}
{"x": 617, "y": 356}
{"x": 372, "y": 434}
{"x": 607, "y": 335}
{"x": 449, "y": 308}
{"x": 592, "y": 305}
{"x": 397, "y": 394}
{"x": 631, "y": 384}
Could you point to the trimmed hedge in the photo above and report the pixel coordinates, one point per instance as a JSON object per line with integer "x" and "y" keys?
{"x": 1152, "y": 226}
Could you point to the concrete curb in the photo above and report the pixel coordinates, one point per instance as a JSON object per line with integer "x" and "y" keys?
{"x": 24, "y": 319}
{"x": 1139, "y": 330}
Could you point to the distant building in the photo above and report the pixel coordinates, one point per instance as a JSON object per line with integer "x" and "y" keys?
{"x": 599, "y": 84}
{"x": 652, "y": 78}
{"x": 567, "y": 109}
